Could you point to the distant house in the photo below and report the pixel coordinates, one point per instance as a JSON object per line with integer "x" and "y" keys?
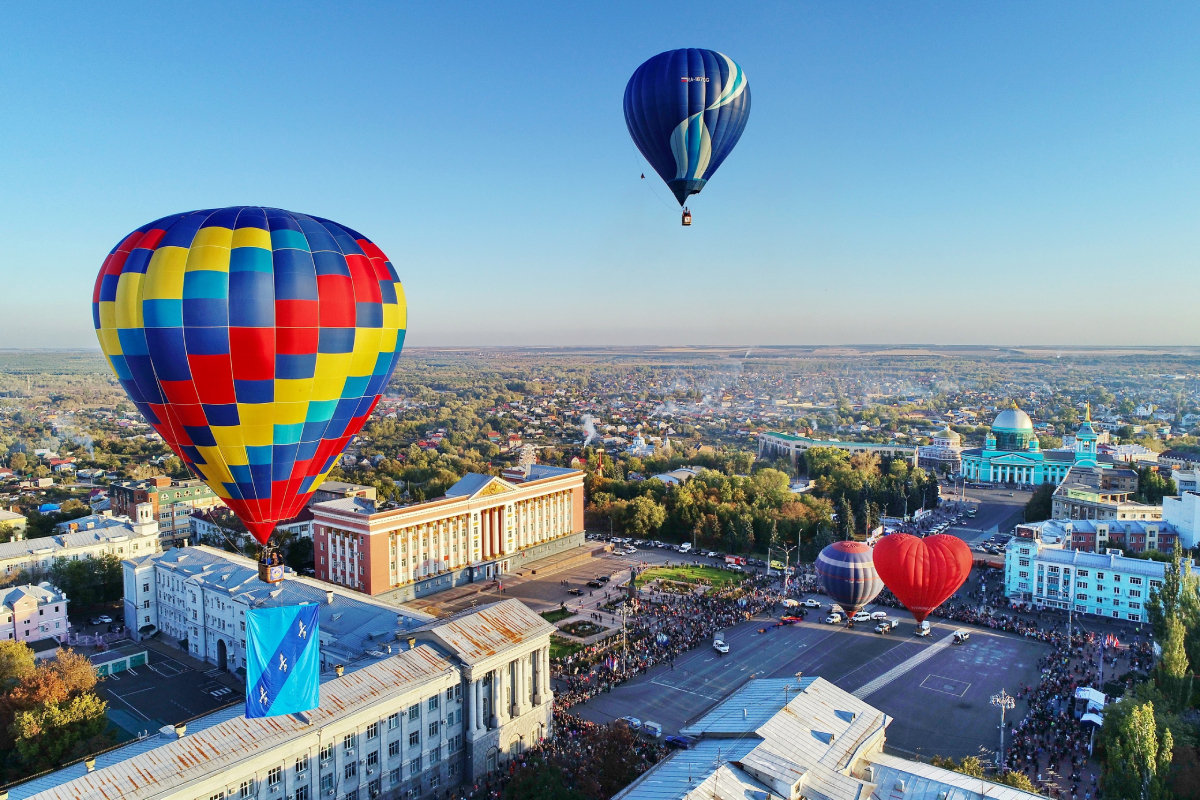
{"x": 32, "y": 613}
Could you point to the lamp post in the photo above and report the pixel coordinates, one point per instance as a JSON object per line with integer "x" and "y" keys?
{"x": 787, "y": 560}
{"x": 1004, "y": 702}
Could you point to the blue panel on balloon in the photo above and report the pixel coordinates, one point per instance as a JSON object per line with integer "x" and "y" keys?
{"x": 282, "y": 660}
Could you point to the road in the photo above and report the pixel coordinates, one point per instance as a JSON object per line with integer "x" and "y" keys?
{"x": 998, "y": 513}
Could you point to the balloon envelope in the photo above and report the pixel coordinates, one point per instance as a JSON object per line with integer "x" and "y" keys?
{"x": 685, "y": 110}
{"x": 847, "y": 573}
{"x": 256, "y": 342}
{"x": 922, "y": 573}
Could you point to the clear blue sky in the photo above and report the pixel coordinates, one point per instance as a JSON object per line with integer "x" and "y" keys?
{"x": 911, "y": 172}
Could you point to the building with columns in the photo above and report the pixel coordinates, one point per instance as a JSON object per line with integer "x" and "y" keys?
{"x": 456, "y": 700}
{"x": 483, "y": 528}
{"x": 1012, "y": 455}
{"x": 774, "y": 445}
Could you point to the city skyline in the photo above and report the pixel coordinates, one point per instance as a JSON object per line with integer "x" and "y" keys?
{"x": 936, "y": 174}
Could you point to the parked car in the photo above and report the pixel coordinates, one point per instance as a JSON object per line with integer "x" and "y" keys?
{"x": 887, "y": 626}
{"x": 861, "y": 616}
{"x": 961, "y": 635}
{"x": 680, "y": 742}
{"x": 922, "y": 629}
{"x": 634, "y": 723}
{"x": 720, "y": 646}
{"x": 811, "y": 603}
{"x": 594, "y": 584}
{"x": 105, "y": 619}
{"x": 833, "y": 619}
{"x": 603, "y": 578}
{"x": 576, "y": 592}
{"x": 652, "y": 729}
{"x": 878, "y": 615}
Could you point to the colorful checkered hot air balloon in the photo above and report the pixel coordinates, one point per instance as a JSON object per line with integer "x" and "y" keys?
{"x": 846, "y": 571}
{"x": 256, "y": 342}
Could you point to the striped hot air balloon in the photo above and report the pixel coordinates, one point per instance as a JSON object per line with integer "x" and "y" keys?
{"x": 847, "y": 573}
{"x": 256, "y": 342}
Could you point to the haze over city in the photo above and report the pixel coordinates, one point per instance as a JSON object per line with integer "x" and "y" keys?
{"x": 936, "y": 172}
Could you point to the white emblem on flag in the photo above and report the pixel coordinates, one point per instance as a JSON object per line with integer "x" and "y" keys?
{"x": 303, "y": 630}
{"x": 282, "y": 663}
{"x": 262, "y": 695}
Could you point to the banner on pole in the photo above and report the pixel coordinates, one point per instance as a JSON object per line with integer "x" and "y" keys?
{"x": 283, "y": 661}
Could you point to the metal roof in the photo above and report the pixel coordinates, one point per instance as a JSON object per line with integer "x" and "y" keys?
{"x": 925, "y": 782}
{"x": 747, "y": 709}
{"x": 702, "y": 771}
{"x": 477, "y": 634}
{"x": 147, "y": 767}
{"x": 1117, "y": 563}
{"x": 63, "y": 541}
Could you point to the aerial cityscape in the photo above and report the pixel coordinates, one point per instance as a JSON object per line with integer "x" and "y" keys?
{"x": 886, "y": 491}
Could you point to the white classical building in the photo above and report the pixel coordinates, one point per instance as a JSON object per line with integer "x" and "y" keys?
{"x": 198, "y": 597}
{"x": 119, "y": 536}
{"x": 459, "y": 698}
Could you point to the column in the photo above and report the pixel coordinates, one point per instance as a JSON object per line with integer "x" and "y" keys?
{"x": 477, "y": 691}
{"x": 485, "y": 535}
{"x": 537, "y": 678}
{"x": 497, "y": 535}
{"x": 518, "y": 695}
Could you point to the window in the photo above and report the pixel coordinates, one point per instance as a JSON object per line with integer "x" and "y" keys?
{"x": 393, "y": 722}
{"x": 1081, "y": 584}
{"x": 1081, "y": 573}
{"x": 373, "y": 731}
{"x": 414, "y": 738}
{"x": 1116, "y": 578}
{"x": 433, "y": 729}
{"x": 1081, "y": 597}
{"x": 373, "y": 758}
{"x": 1024, "y": 562}
{"x": 1155, "y": 584}
{"x": 302, "y": 763}
{"x": 435, "y": 755}
{"x": 1133, "y": 616}
{"x": 414, "y": 766}
{"x": 350, "y": 770}
{"x": 1024, "y": 574}
{"x": 145, "y": 588}
{"x": 352, "y": 794}
{"x": 1135, "y": 592}
{"x": 394, "y": 776}
{"x": 434, "y": 780}
{"x": 246, "y": 789}
{"x": 1136, "y": 581}
{"x": 1099, "y": 576}
{"x": 145, "y": 604}
{"x": 348, "y": 742}
{"x": 433, "y": 703}
{"x": 327, "y": 783}
{"x": 414, "y": 711}
{"x": 302, "y": 792}
{"x": 394, "y": 749}
{"x": 373, "y": 788}
{"x": 326, "y": 753}
{"x": 1135, "y": 605}
{"x": 274, "y": 775}
{"x": 1023, "y": 585}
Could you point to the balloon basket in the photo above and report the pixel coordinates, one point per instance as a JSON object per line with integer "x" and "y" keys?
{"x": 270, "y": 567}
{"x": 687, "y": 217}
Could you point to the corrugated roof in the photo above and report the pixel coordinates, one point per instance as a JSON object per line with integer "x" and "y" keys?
{"x": 1079, "y": 558}
{"x": 693, "y": 773}
{"x": 480, "y": 633}
{"x": 27, "y": 547}
{"x": 145, "y": 768}
{"x": 925, "y": 782}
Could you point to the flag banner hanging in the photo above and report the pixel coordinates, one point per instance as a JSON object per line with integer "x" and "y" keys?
{"x": 282, "y": 660}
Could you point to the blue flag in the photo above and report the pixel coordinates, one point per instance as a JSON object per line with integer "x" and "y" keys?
{"x": 283, "y": 660}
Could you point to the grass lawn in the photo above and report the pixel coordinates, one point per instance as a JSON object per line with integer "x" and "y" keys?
{"x": 557, "y": 615}
{"x": 717, "y": 577}
{"x": 561, "y": 648}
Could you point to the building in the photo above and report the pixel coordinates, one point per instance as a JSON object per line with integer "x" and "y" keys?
{"x": 125, "y": 539}
{"x": 198, "y": 596}
{"x": 32, "y": 613}
{"x": 776, "y": 445}
{"x": 798, "y": 739}
{"x": 1100, "y": 494}
{"x": 15, "y": 522}
{"x": 1178, "y": 459}
{"x": 677, "y": 476}
{"x": 944, "y": 454}
{"x": 1098, "y": 536}
{"x": 1180, "y": 512}
{"x": 456, "y": 700}
{"x": 335, "y": 490}
{"x": 1042, "y": 571}
{"x": 1012, "y": 454}
{"x": 91, "y": 522}
{"x": 1186, "y": 480}
{"x": 173, "y": 503}
{"x": 483, "y": 528}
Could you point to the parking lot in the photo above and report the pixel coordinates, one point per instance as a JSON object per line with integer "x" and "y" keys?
{"x": 938, "y": 692}
{"x": 164, "y": 692}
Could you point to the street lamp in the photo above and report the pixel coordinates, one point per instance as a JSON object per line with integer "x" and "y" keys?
{"x": 1004, "y": 702}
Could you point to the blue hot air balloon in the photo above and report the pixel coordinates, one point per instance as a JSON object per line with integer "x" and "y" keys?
{"x": 847, "y": 573}
{"x": 685, "y": 110}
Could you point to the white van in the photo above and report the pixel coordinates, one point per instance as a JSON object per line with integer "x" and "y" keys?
{"x": 652, "y": 729}
{"x": 961, "y": 635}
{"x": 686, "y": 547}
{"x": 922, "y": 629}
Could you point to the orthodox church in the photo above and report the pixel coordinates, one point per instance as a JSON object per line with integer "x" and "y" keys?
{"x": 1012, "y": 454}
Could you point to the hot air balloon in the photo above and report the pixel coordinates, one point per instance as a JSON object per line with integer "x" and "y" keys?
{"x": 848, "y": 575}
{"x": 256, "y": 342}
{"x": 922, "y": 573}
{"x": 685, "y": 110}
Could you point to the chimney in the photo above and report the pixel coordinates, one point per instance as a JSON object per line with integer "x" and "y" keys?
{"x": 181, "y": 730}
{"x": 339, "y": 670}
{"x": 89, "y": 763}
{"x": 412, "y": 642}
{"x": 328, "y": 596}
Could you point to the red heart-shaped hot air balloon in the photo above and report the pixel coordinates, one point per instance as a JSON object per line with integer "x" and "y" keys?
{"x": 922, "y": 573}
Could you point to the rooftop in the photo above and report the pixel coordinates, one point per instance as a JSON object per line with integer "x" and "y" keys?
{"x": 477, "y": 634}
{"x": 49, "y": 544}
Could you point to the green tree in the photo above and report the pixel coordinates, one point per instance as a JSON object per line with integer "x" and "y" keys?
{"x": 17, "y": 661}
{"x": 299, "y": 553}
{"x": 52, "y": 732}
{"x": 1040, "y": 505}
{"x": 1177, "y": 598}
{"x": 644, "y": 516}
{"x": 18, "y": 462}
{"x": 1174, "y": 677}
{"x": 1018, "y": 780}
{"x": 539, "y": 780}
{"x": 1153, "y": 487}
{"x": 1137, "y": 758}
